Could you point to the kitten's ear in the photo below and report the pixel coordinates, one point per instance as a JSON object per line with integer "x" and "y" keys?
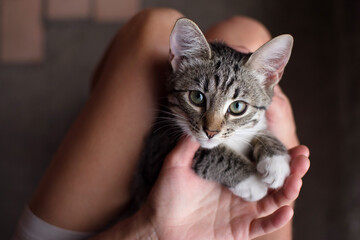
{"x": 187, "y": 40}
{"x": 271, "y": 58}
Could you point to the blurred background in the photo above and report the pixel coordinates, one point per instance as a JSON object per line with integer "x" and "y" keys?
{"x": 49, "y": 48}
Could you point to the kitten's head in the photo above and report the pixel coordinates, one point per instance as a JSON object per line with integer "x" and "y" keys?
{"x": 217, "y": 93}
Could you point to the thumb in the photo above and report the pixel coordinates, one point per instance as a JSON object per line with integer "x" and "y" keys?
{"x": 183, "y": 153}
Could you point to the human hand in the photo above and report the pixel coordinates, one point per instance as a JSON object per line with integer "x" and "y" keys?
{"x": 184, "y": 206}
{"x": 280, "y": 119}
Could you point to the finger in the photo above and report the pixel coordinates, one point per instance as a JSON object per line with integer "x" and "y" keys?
{"x": 279, "y": 103}
{"x": 299, "y": 150}
{"x": 271, "y": 223}
{"x": 183, "y": 153}
{"x": 284, "y": 196}
{"x": 279, "y": 92}
{"x": 300, "y": 165}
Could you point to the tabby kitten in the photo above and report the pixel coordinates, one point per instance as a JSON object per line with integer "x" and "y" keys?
{"x": 219, "y": 97}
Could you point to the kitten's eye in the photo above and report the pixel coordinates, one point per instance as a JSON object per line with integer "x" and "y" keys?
{"x": 197, "y": 98}
{"x": 237, "y": 108}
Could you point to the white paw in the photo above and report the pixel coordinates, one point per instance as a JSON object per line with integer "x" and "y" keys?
{"x": 274, "y": 170}
{"x": 251, "y": 189}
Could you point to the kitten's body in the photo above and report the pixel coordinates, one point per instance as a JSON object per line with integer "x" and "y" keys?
{"x": 208, "y": 87}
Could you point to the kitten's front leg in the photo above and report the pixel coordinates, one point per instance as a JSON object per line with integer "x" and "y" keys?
{"x": 273, "y": 160}
{"x": 235, "y": 171}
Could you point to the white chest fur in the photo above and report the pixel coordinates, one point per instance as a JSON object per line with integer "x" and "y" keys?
{"x": 240, "y": 142}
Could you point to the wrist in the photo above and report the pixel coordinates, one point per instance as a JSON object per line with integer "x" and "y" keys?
{"x": 137, "y": 227}
{"x": 142, "y": 226}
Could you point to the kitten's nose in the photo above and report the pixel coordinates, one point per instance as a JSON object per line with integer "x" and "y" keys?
{"x": 211, "y": 133}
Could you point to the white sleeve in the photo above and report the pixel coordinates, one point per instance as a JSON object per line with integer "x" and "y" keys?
{"x": 31, "y": 227}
